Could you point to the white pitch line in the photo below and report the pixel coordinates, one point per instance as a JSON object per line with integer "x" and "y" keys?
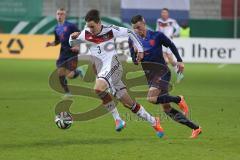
{"x": 221, "y": 66}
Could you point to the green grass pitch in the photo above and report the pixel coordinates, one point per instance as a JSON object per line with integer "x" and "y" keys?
{"x": 28, "y": 130}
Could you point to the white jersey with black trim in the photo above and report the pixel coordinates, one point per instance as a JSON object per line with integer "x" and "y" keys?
{"x": 169, "y": 27}
{"x": 102, "y": 46}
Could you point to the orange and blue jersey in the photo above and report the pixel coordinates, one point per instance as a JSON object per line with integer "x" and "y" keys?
{"x": 156, "y": 70}
{"x": 152, "y": 45}
{"x": 62, "y": 33}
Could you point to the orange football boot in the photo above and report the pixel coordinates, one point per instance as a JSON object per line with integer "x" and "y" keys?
{"x": 196, "y": 132}
{"x": 158, "y": 128}
{"x": 183, "y": 106}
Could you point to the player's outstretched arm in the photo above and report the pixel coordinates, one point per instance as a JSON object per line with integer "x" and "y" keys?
{"x": 164, "y": 40}
{"x": 48, "y": 44}
{"x": 55, "y": 42}
{"x": 168, "y": 43}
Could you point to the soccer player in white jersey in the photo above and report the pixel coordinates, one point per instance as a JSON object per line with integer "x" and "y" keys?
{"x": 109, "y": 69}
{"x": 171, "y": 29}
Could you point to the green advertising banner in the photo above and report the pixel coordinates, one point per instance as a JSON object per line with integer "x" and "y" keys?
{"x": 20, "y": 9}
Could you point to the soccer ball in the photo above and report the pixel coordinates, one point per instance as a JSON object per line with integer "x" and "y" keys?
{"x": 64, "y": 120}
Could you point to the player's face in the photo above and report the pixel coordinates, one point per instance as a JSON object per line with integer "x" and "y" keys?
{"x": 140, "y": 28}
{"x": 60, "y": 15}
{"x": 94, "y": 27}
{"x": 164, "y": 14}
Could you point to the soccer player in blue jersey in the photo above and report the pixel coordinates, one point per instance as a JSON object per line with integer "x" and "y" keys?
{"x": 67, "y": 60}
{"x": 157, "y": 73}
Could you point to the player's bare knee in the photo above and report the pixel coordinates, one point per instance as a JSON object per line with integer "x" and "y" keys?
{"x": 70, "y": 75}
{"x": 152, "y": 99}
{"x": 98, "y": 88}
{"x": 101, "y": 84}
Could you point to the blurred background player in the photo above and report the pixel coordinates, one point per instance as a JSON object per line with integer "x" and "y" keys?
{"x": 170, "y": 28}
{"x": 158, "y": 74}
{"x": 67, "y": 60}
{"x": 109, "y": 68}
{"x": 185, "y": 30}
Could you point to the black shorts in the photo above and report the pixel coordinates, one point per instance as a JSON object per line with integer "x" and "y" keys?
{"x": 158, "y": 76}
{"x": 161, "y": 82}
{"x": 69, "y": 63}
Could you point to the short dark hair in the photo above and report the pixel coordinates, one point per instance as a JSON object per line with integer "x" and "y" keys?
{"x": 92, "y": 15}
{"x": 136, "y": 19}
{"x": 165, "y": 9}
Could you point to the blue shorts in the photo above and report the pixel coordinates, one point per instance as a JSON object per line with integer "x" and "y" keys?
{"x": 69, "y": 63}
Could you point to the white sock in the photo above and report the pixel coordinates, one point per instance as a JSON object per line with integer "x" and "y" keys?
{"x": 111, "y": 107}
{"x": 146, "y": 116}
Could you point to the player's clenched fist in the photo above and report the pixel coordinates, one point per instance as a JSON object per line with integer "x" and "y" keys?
{"x": 74, "y": 35}
{"x": 48, "y": 44}
{"x": 180, "y": 67}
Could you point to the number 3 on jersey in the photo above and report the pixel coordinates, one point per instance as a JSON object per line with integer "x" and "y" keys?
{"x": 99, "y": 50}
